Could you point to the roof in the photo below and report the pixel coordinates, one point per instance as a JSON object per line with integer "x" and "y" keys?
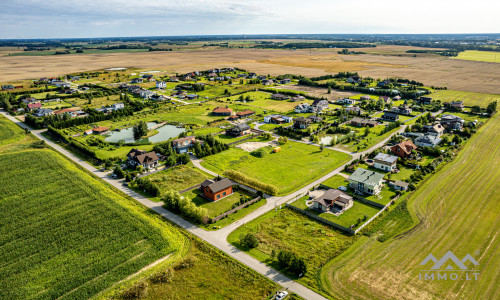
{"x": 332, "y": 195}
{"x": 390, "y": 114}
{"x": 100, "y": 129}
{"x": 146, "y": 157}
{"x": 245, "y": 112}
{"x": 438, "y": 128}
{"x": 65, "y": 110}
{"x": 187, "y": 138}
{"x": 367, "y": 177}
{"x": 240, "y": 127}
{"x": 318, "y": 101}
{"x": 401, "y": 183}
{"x": 301, "y": 120}
{"x": 217, "y": 186}
{"x": 386, "y": 158}
{"x": 43, "y": 111}
{"x": 428, "y": 139}
{"x": 34, "y": 105}
{"x": 222, "y": 110}
{"x": 407, "y": 146}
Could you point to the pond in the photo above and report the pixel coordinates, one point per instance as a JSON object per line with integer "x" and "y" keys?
{"x": 165, "y": 132}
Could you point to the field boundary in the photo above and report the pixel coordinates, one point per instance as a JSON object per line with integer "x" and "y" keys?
{"x": 233, "y": 210}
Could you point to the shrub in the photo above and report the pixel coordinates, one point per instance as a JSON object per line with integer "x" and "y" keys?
{"x": 162, "y": 277}
{"x": 253, "y": 183}
{"x": 174, "y": 202}
{"x": 249, "y": 240}
{"x": 260, "y": 153}
{"x": 185, "y": 264}
{"x": 135, "y": 292}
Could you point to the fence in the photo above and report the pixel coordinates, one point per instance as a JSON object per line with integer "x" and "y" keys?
{"x": 369, "y": 202}
{"x": 373, "y": 218}
{"x": 242, "y": 140}
{"x": 231, "y": 211}
{"x": 315, "y": 217}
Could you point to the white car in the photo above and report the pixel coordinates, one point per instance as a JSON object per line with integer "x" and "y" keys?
{"x": 342, "y": 188}
{"x": 282, "y": 295}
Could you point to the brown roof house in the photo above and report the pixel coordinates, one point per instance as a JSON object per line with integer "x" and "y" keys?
{"x": 301, "y": 123}
{"x": 334, "y": 201}
{"x": 147, "y": 160}
{"x": 182, "y": 145}
{"x": 361, "y": 122}
{"x": 222, "y": 111}
{"x": 403, "y": 149}
{"x": 216, "y": 190}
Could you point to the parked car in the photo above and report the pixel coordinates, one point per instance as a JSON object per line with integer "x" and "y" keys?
{"x": 342, "y": 188}
{"x": 125, "y": 184}
{"x": 282, "y": 295}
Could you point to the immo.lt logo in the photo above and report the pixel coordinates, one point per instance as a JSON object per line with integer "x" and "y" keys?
{"x": 449, "y": 267}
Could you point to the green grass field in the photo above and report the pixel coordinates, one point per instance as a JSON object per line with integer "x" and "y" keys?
{"x": 368, "y": 141}
{"x": 263, "y": 100}
{"x": 487, "y": 56}
{"x": 218, "y": 207}
{"x": 469, "y": 98}
{"x": 294, "y": 166}
{"x": 66, "y": 235}
{"x": 293, "y": 231}
{"x": 178, "y": 178}
{"x": 10, "y": 132}
{"x": 457, "y": 210}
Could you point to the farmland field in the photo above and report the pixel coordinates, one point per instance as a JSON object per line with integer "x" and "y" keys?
{"x": 469, "y": 98}
{"x": 487, "y": 56}
{"x": 295, "y": 165}
{"x": 67, "y": 235}
{"x": 461, "y": 195}
{"x": 9, "y": 132}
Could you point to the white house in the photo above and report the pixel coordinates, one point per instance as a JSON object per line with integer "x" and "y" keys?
{"x": 366, "y": 182}
{"x": 146, "y": 94}
{"x": 161, "y": 84}
{"x": 427, "y": 141}
{"x": 118, "y": 106}
{"x": 277, "y": 119}
{"x": 385, "y": 162}
{"x": 303, "y": 108}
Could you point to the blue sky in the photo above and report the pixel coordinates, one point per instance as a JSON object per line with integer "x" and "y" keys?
{"x": 106, "y": 18}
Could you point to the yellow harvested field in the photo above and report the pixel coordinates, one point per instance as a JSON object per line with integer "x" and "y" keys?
{"x": 486, "y": 56}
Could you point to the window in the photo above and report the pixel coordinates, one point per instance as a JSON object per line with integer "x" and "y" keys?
{"x": 218, "y": 196}
{"x": 224, "y": 194}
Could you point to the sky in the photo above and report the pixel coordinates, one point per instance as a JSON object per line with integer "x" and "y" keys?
{"x": 115, "y": 18}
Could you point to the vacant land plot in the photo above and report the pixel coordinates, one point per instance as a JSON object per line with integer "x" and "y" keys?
{"x": 263, "y": 100}
{"x": 319, "y": 92}
{"x": 487, "y": 56}
{"x": 178, "y": 178}
{"x": 67, "y": 235}
{"x": 294, "y": 166}
{"x": 469, "y": 98}
{"x": 9, "y": 132}
{"x": 292, "y": 231}
{"x": 463, "y": 190}
{"x": 218, "y": 207}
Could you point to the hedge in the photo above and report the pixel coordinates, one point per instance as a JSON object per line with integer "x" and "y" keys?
{"x": 253, "y": 183}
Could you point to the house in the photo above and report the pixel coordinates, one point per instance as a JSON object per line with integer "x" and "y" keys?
{"x": 30, "y": 100}
{"x": 383, "y": 83}
{"x": 365, "y": 97}
{"x": 454, "y": 105}
{"x": 239, "y": 130}
{"x": 100, "y": 130}
{"x": 297, "y": 98}
{"x": 346, "y": 101}
{"x": 146, "y": 94}
{"x": 362, "y": 122}
{"x": 315, "y": 119}
{"x": 427, "y": 141}
{"x": 216, "y": 190}
{"x": 252, "y": 76}
{"x": 390, "y": 116}
{"x": 147, "y": 160}
{"x": 452, "y": 122}
{"x": 424, "y": 100}
{"x": 333, "y": 200}
{"x": 161, "y": 84}
{"x": 354, "y": 79}
{"x": 354, "y": 110}
{"x": 88, "y": 132}
{"x": 7, "y": 87}
{"x": 277, "y": 119}
{"x": 303, "y": 108}
{"x": 136, "y": 80}
{"x": 285, "y": 81}
{"x": 262, "y": 77}
{"x": 192, "y": 96}
{"x": 117, "y": 106}
{"x": 279, "y": 97}
{"x": 301, "y": 123}
{"x": 148, "y": 77}
{"x": 42, "y": 112}
{"x": 400, "y": 185}
{"x": 397, "y": 98}
{"x": 402, "y": 109}
{"x": 434, "y": 130}
{"x": 320, "y": 105}
{"x": 245, "y": 113}
{"x": 403, "y": 149}
{"x": 267, "y": 82}
{"x": 385, "y": 99}
{"x": 173, "y": 79}
{"x": 182, "y": 145}
{"x": 222, "y": 111}
{"x": 366, "y": 182}
{"x": 69, "y": 111}
{"x": 105, "y": 110}
{"x": 34, "y": 106}
{"x": 158, "y": 97}
{"x": 385, "y": 162}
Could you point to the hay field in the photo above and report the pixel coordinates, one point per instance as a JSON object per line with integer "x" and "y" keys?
{"x": 487, "y": 56}
{"x": 385, "y": 61}
{"x": 459, "y": 210}
{"x": 469, "y": 98}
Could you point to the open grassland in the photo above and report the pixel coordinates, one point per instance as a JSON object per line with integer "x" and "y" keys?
{"x": 469, "y": 98}
{"x": 9, "y": 132}
{"x": 178, "y": 178}
{"x": 218, "y": 207}
{"x": 487, "y": 56}
{"x": 263, "y": 100}
{"x": 456, "y": 210}
{"x": 294, "y": 166}
{"x": 66, "y": 235}
{"x": 429, "y": 69}
{"x": 293, "y": 231}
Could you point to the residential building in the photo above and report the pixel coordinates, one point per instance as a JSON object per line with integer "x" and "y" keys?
{"x": 400, "y": 185}
{"x": 161, "y": 84}
{"x": 353, "y": 110}
{"x": 146, "y": 94}
{"x": 366, "y": 182}
{"x": 147, "y": 160}
{"x": 245, "y": 113}
{"x": 320, "y": 105}
{"x": 222, "y": 111}
{"x": 136, "y": 80}
{"x": 301, "y": 123}
{"x": 100, "y": 130}
{"x": 333, "y": 200}
{"x": 354, "y": 79}
{"x": 390, "y": 116}
{"x": 34, "y": 106}
{"x": 279, "y": 97}
{"x": 402, "y": 109}
{"x": 452, "y": 122}
{"x": 285, "y": 81}
{"x": 385, "y": 162}
{"x": 239, "y": 130}
{"x": 386, "y": 99}
{"x": 362, "y": 122}
{"x": 216, "y": 190}
{"x": 403, "y": 149}
{"x": 267, "y": 82}
{"x": 427, "y": 141}
{"x": 192, "y": 96}
{"x": 42, "y": 112}
{"x": 117, "y": 106}
{"x": 456, "y": 105}
{"x": 424, "y": 100}
{"x": 30, "y": 100}
{"x": 297, "y": 98}
{"x": 434, "y": 130}
{"x": 277, "y": 119}
{"x": 303, "y": 108}
{"x": 182, "y": 145}
{"x": 346, "y": 101}
{"x": 315, "y": 119}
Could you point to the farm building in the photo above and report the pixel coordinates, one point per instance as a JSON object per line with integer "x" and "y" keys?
{"x": 216, "y": 190}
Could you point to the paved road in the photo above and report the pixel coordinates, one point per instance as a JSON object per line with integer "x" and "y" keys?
{"x": 216, "y": 238}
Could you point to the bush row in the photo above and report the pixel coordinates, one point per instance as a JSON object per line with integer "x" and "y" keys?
{"x": 253, "y": 183}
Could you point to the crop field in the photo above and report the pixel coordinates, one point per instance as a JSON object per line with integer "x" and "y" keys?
{"x": 294, "y": 166}
{"x": 293, "y": 231}
{"x": 469, "y": 98}
{"x": 457, "y": 210}
{"x": 487, "y": 56}
{"x": 65, "y": 234}
{"x": 178, "y": 178}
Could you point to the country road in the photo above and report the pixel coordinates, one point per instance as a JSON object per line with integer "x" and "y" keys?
{"x": 216, "y": 238}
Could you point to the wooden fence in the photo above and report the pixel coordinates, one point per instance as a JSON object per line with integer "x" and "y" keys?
{"x": 233, "y": 210}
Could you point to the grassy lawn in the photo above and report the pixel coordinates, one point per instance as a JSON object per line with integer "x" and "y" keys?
{"x": 294, "y": 166}
{"x": 56, "y": 105}
{"x": 383, "y": 197}
{"x": 293, "y": 231}
{"x": 467, "y": 117}
{"x": 178, "y": 178}
{"x": 335, "y": 181}
{"x": 205, "y": 130}
{"x": 263, "y": 100}
{"x": 450, "y": 221}
{"x": 227, "y": 139}
{"x": 218, "y": 207}
{"x": 269, "y": 127}
{"x": 370, "y": 140}
{"x": 69, "y": 214}
{"x": 487, "y": 56}
{"x": 469, "y": 98}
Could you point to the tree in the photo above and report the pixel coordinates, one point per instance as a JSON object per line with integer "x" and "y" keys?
{"x": 367, "y": 131}
{"x": 250, "y": 240}
{"x": 119, "y": 172}
{"x": 329, "y": 89}
{"x": 492, "y": 107}
{"x": 476, "y": 109}
{"x": 321, "y": 147}
{"x": 139, "y": 169}
{"x": 140, "y": 130}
